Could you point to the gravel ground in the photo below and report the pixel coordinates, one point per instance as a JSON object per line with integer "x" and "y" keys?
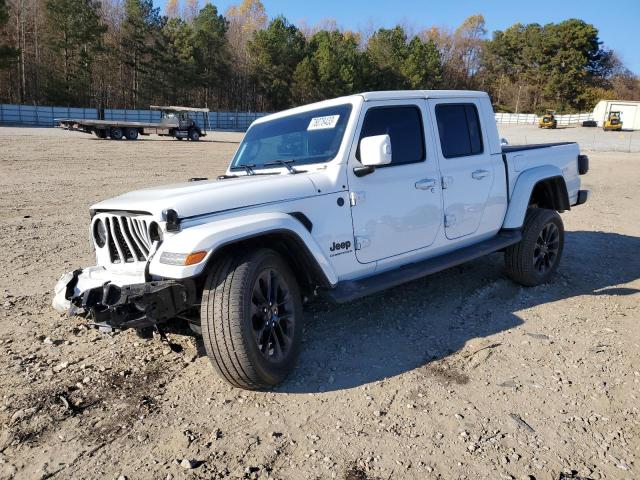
{"x": 460, "y": 375}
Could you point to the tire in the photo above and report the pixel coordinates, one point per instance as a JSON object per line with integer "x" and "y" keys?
{"x": 535, "y": 258}
{"x": 116, "y": 133}
{"x": 250, "y": 344}
{"x": 131, "y": 133}
{"x": 101, "y": 133}
{"x": 194, "y": 135}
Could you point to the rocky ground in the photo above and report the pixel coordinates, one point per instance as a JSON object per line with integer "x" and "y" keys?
{"x": 460, "y": 375}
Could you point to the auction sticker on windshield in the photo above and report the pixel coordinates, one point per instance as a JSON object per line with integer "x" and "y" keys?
{"x": 320, "y": 123}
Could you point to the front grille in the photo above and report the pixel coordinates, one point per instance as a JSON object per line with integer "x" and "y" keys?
{"x": 129, "y": 239}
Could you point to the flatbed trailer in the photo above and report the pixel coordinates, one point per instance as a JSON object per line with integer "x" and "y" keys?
{"x": 177, "y": 122}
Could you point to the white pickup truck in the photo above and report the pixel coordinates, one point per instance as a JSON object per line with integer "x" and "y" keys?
{"x": 343, "y": 198}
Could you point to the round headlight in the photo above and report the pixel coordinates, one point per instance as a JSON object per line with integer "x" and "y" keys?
{"x": 155, "y": 232}
{"x": 100, "y": 233}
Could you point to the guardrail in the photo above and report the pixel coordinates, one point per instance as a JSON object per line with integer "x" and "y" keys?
{"x": 41, "y": 116}
{"x": 532, "y": 118}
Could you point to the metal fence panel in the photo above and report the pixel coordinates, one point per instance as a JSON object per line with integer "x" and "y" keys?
{"x": 532, "y": 119}
{"x": 49, "y": 116}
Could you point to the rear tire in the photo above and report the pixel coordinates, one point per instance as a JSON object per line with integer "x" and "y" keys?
{"x": 100, "y": 133}
{"x": 251, "y": 319}
{"x": 131, "y": 133}
{"x": 535, "y": 258}
{"x": 116, "y": 133}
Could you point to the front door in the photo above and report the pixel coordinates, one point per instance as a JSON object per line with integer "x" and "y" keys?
{"x": 398, "y": 207}
{"x": 465, "y": 164}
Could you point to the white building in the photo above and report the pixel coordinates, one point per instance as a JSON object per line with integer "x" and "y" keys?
{"x": 629, "y": 112}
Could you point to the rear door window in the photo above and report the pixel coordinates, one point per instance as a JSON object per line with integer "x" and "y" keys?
{"x": 459, "y": 129}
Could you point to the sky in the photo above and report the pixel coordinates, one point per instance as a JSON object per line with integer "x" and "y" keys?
{"x": 617, "y": 21}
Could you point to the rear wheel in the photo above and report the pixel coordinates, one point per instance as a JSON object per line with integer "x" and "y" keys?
{"x": 535, "y": 258}
{"x": 116, "y": 133}
{"x": 251, "y": 319}
{"x": 194, "y": 135}
{"x": 100, "y": 133}
{"x": 131, "y": 133}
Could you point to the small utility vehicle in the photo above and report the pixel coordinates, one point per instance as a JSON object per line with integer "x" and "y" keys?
{"x": 613, "y": 122}
{"x": 548, "y": 120}
{"x": 343, "y": 198}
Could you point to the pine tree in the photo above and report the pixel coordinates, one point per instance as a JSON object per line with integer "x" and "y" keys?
{"x": 8, "y": 54}
{"x": 74, "y": 34}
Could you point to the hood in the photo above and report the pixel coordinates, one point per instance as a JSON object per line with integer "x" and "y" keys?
{"x": 200, "y": 197}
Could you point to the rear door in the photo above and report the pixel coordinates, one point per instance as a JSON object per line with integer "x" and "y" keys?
{"x": 465, "y": 163}
{"x": 398, "y": 207}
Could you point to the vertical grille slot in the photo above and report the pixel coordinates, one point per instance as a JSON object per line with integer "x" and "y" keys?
{"x": 128, "y": 238}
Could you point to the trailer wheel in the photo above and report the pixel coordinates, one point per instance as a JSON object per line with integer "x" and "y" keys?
{"x": 194, "y": 135}
{"x": 117, "y": 133}
{"x": 100, "y": 133}
{"x": 131, "y": 133}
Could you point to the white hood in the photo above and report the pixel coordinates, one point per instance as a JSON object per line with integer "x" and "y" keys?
{"x": 200, "y": 197}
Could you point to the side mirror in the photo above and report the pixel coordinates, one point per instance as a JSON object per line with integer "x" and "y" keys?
{"x": 374, "y": 152}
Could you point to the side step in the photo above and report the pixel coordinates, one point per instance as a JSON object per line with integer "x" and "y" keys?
{"x": 349, "y": 290}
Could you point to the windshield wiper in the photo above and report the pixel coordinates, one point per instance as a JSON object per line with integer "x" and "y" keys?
{"x": 249, "y": 169}
{"x": 284, "y": 163}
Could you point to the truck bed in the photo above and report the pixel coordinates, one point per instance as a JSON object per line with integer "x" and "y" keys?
{"x": 563, "y": 156}
{"x": 532, "y": 146}
{"x": 109, "y": 123}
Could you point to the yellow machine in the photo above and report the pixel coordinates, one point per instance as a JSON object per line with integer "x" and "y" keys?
{"x": 548, "y": 120}
{"x": 613, "y": 122}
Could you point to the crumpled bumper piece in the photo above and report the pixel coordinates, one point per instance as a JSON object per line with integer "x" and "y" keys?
{"x": 72, "y": 284}
{"x": 121, "y": 301}
{"x": 136, "y": 306}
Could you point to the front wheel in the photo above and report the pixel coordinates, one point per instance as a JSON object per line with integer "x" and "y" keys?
{"x": 535, "y": 258}
{"x": 251, "y": 319}
{"x": 194, "y": 135}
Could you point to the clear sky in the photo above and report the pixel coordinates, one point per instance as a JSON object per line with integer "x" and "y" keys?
{"x": 618, "y": 21}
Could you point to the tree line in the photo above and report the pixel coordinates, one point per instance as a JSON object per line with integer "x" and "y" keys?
{"x": 127, "y": 54}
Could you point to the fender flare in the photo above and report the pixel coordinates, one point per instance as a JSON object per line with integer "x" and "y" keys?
{"x": 522, "y": 190}
{"x": 214, "y": 235}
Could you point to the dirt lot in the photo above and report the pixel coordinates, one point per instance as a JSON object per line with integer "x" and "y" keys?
{"x": 459, "y": 375}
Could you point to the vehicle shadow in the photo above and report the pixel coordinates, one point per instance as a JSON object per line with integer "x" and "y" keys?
{"x": 416, "y": 325}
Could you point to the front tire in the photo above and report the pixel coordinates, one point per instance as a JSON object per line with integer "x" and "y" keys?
{"x": 194, "y": 135}
{"x": 251, "y": 319}
{"x": 535, "y": 258}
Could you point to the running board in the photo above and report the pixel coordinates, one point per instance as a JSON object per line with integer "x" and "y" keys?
{"x": 349, "y": 290}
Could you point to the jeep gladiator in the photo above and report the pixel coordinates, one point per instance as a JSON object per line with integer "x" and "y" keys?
{"x": 342, "y": 198}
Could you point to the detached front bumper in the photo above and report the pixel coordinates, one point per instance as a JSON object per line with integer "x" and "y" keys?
{"x": 118, "y": 305}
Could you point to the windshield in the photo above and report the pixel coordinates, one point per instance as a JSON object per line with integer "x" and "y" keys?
{"x": 303, "y": 138}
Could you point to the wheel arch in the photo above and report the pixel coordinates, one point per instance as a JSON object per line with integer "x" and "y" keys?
{"x": 543, "y": 187}
{"x": 286, "y": 243}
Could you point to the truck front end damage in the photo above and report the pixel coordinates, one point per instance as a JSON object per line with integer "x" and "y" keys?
{"x": 119, "y": 293}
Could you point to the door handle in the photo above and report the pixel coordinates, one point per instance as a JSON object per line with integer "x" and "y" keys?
{"x": 427, "y": 184}
{"x": 480, "y": 174}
